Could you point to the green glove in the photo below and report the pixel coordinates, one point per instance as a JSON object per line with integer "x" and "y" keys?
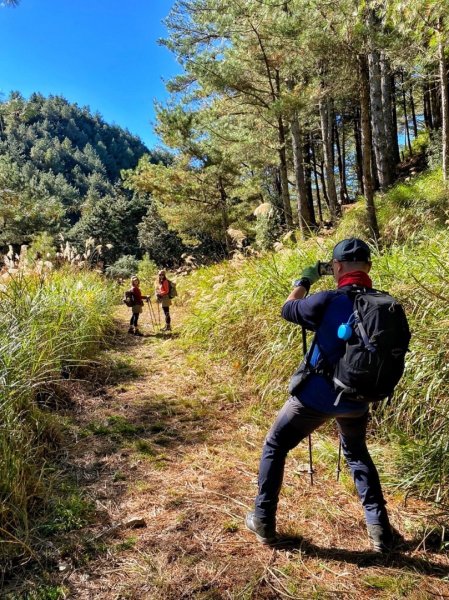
{"x": 311, "y": 273}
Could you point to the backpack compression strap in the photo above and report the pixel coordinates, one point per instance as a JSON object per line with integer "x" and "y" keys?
{"x": 344, "y": 390}
{"x": 363, "y": 334}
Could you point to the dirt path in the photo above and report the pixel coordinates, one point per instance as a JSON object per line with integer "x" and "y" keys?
{"x": 174, "y": 440}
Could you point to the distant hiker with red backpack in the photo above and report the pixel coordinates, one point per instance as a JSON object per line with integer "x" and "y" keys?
{"x": 134, "y": 299}
{"x": 356, "y": 357}
{"x": 165, "y": 292}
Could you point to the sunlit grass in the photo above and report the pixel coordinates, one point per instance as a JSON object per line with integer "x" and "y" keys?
{"x": 48, "y": 328}
{"x": 236, "y": 309}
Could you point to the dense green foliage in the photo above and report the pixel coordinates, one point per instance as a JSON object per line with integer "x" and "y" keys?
{"x": 236, "y": 307}
{"x": 301, "y": 105}
{"x": 49, "y": 327}
{"x": 163, "y": 245}
{"x": 60, "y": 171}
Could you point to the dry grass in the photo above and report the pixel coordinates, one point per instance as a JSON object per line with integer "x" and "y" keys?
{"x": 172, "y": 438}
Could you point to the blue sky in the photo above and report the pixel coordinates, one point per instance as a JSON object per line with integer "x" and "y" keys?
{"x": 100, "y": 53}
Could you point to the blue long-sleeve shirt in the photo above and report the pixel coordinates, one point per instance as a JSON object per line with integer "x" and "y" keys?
{"x": 322, "y": 313}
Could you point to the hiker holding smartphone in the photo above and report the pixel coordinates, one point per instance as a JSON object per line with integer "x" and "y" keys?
{"x": 328, "y": 383}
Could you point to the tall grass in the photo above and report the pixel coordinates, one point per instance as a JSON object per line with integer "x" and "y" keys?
{"x": 236, "y": 308}
{"x": 47, "y": 326}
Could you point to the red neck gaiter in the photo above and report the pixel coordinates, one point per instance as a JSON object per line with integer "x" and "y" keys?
{"x": 355, "y": 278}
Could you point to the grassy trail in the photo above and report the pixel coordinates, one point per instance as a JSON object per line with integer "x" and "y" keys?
{"x": 174, "y": 439}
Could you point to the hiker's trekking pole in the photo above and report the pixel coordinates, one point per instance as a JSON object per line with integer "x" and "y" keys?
{"x": 159, "y": 314}
{"x": 149, "y": 310}
{"x": 339, "y": 458}
{"x": 310, "y": 460}
{"x": 304, "y": 349}
{"x": 152, "y": 316}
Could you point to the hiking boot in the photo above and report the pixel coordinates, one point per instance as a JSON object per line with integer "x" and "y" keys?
{"x": 384, "y": 539}
{"x": 265, "y": 532}
{"x": 137, "y": 332}
{"x": 131, "y": 330}
{"x": 166, "y": 328}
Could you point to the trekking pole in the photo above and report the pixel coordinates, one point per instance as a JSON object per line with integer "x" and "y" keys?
{"x": 151, "y": 321}
{"x": 155, "y": 317}
{"x": 159, "y": 314}
{"x": 150, "y": 310}
{"x": 304, "y": 349}
{"x": 153, "y": 314}
{"x": 310, "y": 471}
{"x": 339, "y": 458}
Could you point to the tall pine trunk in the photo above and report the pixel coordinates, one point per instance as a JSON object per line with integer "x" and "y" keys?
{"x": 277, "y": 196}
{"x": 326, "y": 119}
{"x": 366, "y": 144}
{"x": 413, "y": 109}
{"x": 374, "y": 174}
{"x": 283, "y": 172}
{"x": 344, "y": 198}
{"x": 388, "y": 104}
{"x": 444, "y": 99}
{"x": 306, "y": 152}
{"x": 224, "y": 214}
{"x": 358, "y": 152}
{"x": 317, "y": 186}
{"x": 379, "y": 138}
{"x": 428, "y": 121}
{"x": 283, "y": 168}
{"x": 404, "y": 108}
{"x": 435, "y": 101}
{"x": 305, "y": 221}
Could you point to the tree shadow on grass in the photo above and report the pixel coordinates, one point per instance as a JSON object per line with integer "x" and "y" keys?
{"x": 121, "y": 337}
{"x": 170, "y": 424}
{"x": 365, "y": 558}
{"x": 158, "y": 335}
{"x": 151, "y": 427}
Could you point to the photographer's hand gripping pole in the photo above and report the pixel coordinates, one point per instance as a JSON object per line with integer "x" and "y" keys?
{"x": 304, "y": 348}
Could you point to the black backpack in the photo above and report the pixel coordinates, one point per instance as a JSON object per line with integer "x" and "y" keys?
{"x": 374, "y": 356}
{"x": 128, "y": 299}
{"x": 172, "y": 291}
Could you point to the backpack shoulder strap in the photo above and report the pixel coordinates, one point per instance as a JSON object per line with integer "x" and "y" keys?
{"x": 324, "y": 367}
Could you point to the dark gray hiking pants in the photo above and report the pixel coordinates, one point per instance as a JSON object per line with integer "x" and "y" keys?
{"x": 294, "y": 423}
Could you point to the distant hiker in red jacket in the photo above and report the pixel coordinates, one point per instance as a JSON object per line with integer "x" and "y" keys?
{"x": 163, "y": 296}
{"x": 137, "y": 299}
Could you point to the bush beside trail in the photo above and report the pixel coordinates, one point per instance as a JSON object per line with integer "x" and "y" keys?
{"x": 48, "y": 327}
{"x": 236, "y": 307}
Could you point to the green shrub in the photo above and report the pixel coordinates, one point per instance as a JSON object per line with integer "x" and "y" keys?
{"x": 147, "y": 272}
{"x": 124, "y": 267}
{"x": 268, "y": 226}
{"x": 42, "y": 247}
{"x": 412, "y": 210}
{"x": 421, "y": 143}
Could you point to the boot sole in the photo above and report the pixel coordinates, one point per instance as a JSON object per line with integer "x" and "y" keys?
{"x": 265, "y": 541}
{"x": 260, "y": 538}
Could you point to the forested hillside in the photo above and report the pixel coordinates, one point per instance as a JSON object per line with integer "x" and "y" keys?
{"x": 60, "y": 173}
